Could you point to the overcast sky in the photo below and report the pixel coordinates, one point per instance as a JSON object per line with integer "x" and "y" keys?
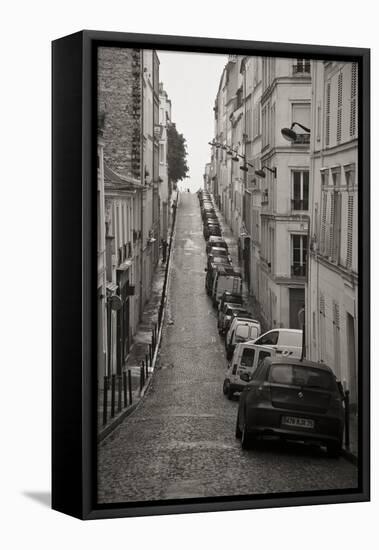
{"x": 191, "y": 81}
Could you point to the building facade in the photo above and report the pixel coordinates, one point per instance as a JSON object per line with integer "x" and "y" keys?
{"x": 332, "y": 300}
{"x": 262, "y": 180}
{"x": 102, "y": 350}
{"x": 285, "y": 101}
{"x": 129, "y": 209}
{"x": 165, "y": 188}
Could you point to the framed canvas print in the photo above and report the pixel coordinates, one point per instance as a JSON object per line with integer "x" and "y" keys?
{"x": 210, "y": 274}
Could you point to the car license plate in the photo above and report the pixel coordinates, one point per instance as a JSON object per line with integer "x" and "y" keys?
{"x": 297, "y": 422}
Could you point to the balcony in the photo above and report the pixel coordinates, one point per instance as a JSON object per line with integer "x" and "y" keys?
{"x": 301, "y": 68}
{"x": 298, "y": 270}
{"x": 299, "y": 204}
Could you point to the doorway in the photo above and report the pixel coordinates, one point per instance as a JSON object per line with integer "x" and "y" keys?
{"x": 296, "y": 298}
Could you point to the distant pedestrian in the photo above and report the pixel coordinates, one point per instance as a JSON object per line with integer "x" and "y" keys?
{"x": 188, "y": 190}
{"x": 164, "y": 246}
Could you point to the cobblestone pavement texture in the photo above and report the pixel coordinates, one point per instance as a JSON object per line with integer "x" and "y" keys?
{"x": 180, "y": 443}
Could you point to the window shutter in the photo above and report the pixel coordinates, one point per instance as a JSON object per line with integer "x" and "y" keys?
{"x": 331, "y": 225}
{"x": 323, "y": 221}
{"x": 350, "y": 210}
{"x": 322, "y": 305}
{"x": 327, "y": 120}
{"x": 353, "y": 100}
{"x": 339, "y": 107}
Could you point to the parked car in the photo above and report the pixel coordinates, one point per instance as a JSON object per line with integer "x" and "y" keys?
{"x": 212, "y": 229}
{"x": 230, "y": 280}
{"x": 231, "y": 297}
{"x": 219, "y": 252}
{"x": 242, "y": 329}
{"x": 236, "y": 312}
{"x": 226, "y": 315}
{"x": 246, "y": 358}
{"x": 217, "y": 260}
{"x": 292, "y": 399}
{"x": 215, "y": 241}
{"x": 287, "y": 341}
{"x": 212, "y": 272}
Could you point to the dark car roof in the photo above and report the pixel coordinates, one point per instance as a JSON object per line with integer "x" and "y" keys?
{"x": 235, "y": 306}
{"x": 219, "y": 266}
{"x": 218, "y": 249}
{"x": 230, "y": 270}
{"x": 304, "y": 363}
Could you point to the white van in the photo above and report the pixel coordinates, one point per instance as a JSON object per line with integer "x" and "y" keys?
{"x": 227, "y": 279}
{"x": 246, "y": 358}
{"x": 241, "y": 330}
{"x": 288, "y": 341}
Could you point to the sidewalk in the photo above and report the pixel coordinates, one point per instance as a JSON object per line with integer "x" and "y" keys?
{"x": 142, "y": 351}
{"x": 139, "y": 351}
{"x": 351, "y": 452}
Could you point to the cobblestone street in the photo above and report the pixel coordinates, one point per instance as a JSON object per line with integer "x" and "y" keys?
{"x": 180, "y": 443}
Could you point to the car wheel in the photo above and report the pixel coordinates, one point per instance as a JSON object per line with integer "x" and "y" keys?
{"x": 230, "y": 393}
{"x": 225, "y": 387}
{"x": 333, "y": 450}
{"x": 238, "y": 432}
{"x": 229, "y": 354}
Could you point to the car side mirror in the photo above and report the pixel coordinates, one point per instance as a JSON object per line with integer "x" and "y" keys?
{"x": 245, "y": 376}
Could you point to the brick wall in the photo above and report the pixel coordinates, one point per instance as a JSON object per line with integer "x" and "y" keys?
{"x": 119, "y": 99}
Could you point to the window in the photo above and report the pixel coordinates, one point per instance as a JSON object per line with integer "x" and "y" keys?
{"x": 302, "y": 66}
{"x": 301, "y": 113}
{"x": 161, "y": 153}
{"x": 318, "y": 126}
{"x": 301, "y": 376}
{"x": 350, "y": 214}
{"x": 353, "y": 100}
{"x": 242, "y": 333}
{"x": 300, "y": 189}
{"x": 270, "y": 339}
{"x": 327, "y": 115}
{"x": 339, "y": 108}
{"x": 247, "y": 359}
{"x": 299, "y": 255}
{"x": 262, "y": 355}
{"x": 335, "y": 220}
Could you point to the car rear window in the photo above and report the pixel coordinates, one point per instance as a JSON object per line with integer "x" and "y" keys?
{"x": 247, "y": 359}
{"x": 254, "y": 332}
{"x": 242, "y": 331}
{"x": 295, "y": 375}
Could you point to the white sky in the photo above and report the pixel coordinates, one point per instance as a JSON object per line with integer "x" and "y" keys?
{"x": 191, "y": 81}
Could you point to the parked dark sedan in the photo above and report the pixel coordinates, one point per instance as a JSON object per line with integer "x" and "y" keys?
{"x": 212, "y": 229}
{"x": 215, "y": 241}
{"x": 291, "y": 399}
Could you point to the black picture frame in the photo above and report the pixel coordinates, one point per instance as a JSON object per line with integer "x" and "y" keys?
{"x": 74, "y": 268}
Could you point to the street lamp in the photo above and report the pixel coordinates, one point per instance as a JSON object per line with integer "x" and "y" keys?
{"x": 290, "y": 135}
{"x": 261, "y": 174}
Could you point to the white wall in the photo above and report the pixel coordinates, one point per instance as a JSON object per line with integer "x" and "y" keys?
{"x": 26, "y": 429}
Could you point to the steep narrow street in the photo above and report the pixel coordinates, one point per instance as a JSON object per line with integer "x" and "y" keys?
{"x": 180, "y": 443}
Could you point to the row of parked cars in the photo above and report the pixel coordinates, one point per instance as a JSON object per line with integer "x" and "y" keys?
{"x": 280, "y": 393}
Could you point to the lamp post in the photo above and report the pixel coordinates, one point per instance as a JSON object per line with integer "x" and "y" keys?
{"x": 260, "y": 173}
{"x": 290, "y": 135}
